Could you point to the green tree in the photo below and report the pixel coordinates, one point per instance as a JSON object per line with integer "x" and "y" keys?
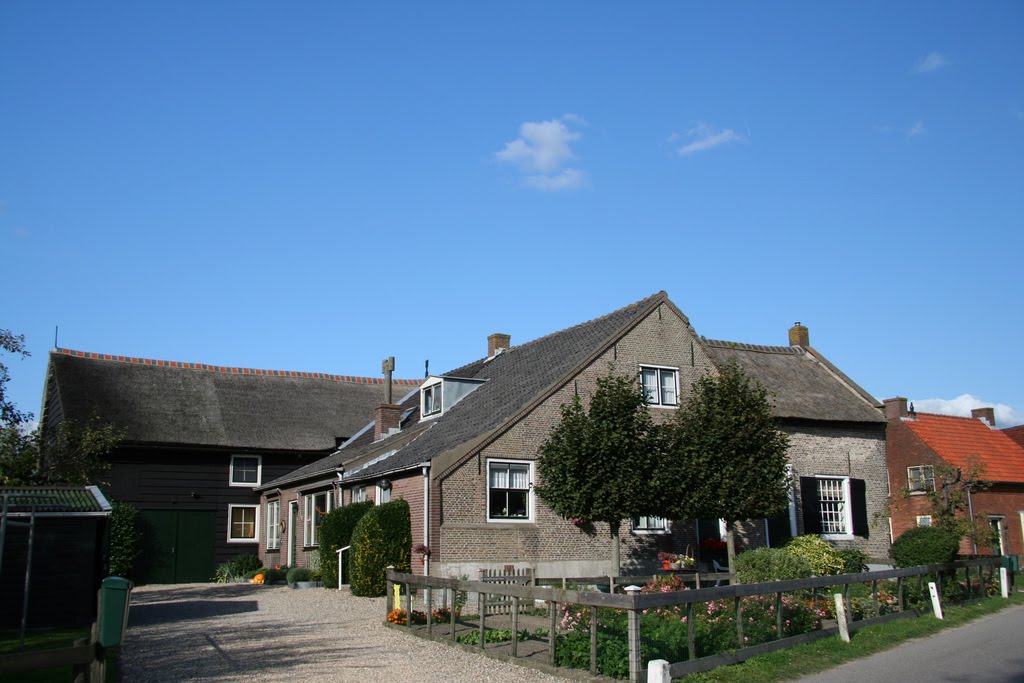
{"x": 728, "y": 458}
{"x": 19, "y": 446}
{"x": 597, "y": 462}
{"x": 949, "y": 497}
{"x": 336, "y": 532}
{"x": 382, "y": 537}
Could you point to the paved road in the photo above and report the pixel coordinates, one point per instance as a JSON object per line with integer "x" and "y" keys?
{"x": 989, "y": 650}
{"x": 239, "y": 632}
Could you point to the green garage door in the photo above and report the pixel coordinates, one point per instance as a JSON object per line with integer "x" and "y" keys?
{"x": 177, "y": 546}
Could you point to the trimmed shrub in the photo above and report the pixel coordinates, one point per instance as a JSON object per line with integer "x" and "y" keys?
{"x": 770, "y": 564}
{"x": 125, "y": 540}
{"x": 925, "y": 545}
{"x": 820, "y": 555}
{"x": 238, "y": 567}
{"x": 336, "y": 532}
{"x": 854, "y": 561}
{"x": 298, "y": 574}
{"x": 382, "y": 537}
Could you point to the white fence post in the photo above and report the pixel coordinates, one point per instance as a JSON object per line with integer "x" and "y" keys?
{"x": 844, "y": 626}
{"x": 634, "y": 638}
{"x": 658, "y": 671}
{"x": 1004, "y": 582}
{"x": 936, "y": 605}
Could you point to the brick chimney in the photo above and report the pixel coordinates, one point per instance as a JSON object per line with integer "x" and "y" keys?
{"x": 498, "y": 342}
{"x": 387, "y": 418}
{"x": 799, "y": 335}
{"x": 986, "y": 414}
{"x": 895, "y": 408}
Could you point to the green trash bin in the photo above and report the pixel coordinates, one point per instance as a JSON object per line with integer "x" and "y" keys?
{"x": 115, "y": 593}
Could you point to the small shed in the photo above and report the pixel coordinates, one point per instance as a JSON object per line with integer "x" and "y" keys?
{"x": 52, "y": 547}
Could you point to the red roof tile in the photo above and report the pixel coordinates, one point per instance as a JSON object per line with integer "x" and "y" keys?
{"x": 1015, "y": 433}
{"x": 955, "y": 438}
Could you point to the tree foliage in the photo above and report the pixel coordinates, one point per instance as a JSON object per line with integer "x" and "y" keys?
{"x": 381, "y": 538}
{"x": 125, "y": 539}
{"x": 598, "y": 462}
{"x": 727, "y": 456}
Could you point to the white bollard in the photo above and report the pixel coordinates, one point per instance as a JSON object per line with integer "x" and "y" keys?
{"x": 1004, "y": 582}
{"x": 936, "y": 606}
{"x": 844, "y": 626}
{"x": 658, "y": 671}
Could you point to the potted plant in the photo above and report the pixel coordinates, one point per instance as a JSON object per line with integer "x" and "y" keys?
{"x": 300, "y": 577}
{"x": 666, "y": 559}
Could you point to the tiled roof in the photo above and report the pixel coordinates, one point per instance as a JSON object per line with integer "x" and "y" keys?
{"x": 801, "y": 382}
{"x": 1015, "y": 433}
{"x": 195, "y": 404}
{"x": 53, "y": 500}
{"x": 515, "y": 378}
{"x": 955, "y": 438}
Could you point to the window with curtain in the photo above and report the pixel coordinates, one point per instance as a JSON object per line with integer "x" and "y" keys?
{"x": 660, "y": 385}
{"x": 508, "y": 491}
{"x": 243, "y": 523}
{"x": 317, "y": 505}
{"x": 273, "y": 525}
{"x": 921, "y": 478}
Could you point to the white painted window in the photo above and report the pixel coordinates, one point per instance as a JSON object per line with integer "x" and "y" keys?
{"x": 921, "y": 479}
{"x": 650, "y": 524}
{"x": 383, "y": 492}
{"x": 317, "y": 505}
{"x": 431, "y": 398}
{"x": 661, "y": 385}
{"x": 246, "y": 470}
{"x": 509, "y": 491}
{"x": 358, "y": 494}
{"x": 273, "y": 525}
{"x": 834, "y": 507}
{"x": 243, "y": 523}
{"x": 924, "y": 520}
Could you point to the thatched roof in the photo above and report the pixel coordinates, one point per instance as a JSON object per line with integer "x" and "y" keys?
{"x": 172, "y": 403}
{"x": 802, "y": 383}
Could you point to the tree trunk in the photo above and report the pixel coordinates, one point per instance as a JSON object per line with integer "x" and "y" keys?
{"x": 613, "y": 529}
{"x": 730, "y": 546}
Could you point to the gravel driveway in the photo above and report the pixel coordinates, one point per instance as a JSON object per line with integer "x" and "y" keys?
{"x": 240, "y": 632}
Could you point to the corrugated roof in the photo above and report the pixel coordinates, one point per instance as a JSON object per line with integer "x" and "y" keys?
{"x": 955, "y": 438}
{"x": 194, "y": 404}
{"x": 54, "y": 499}
{"x": 801, "y": 382}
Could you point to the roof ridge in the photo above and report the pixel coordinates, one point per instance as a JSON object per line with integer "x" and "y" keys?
{"x": 958, "y": 417}
{"x": 229, "y": 370}
{"x": 744, "y": 346}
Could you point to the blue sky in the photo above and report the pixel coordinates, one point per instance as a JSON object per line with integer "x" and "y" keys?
{"x": 316, "y": 186}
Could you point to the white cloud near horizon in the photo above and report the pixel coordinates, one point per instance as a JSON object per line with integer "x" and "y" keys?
{"x": 930, "y": 62}
{"x": 1006, "y": 416}
{"x": 542, "y": 151}
{"x": 917, "y": 129}
{"x": 704, "y": 137}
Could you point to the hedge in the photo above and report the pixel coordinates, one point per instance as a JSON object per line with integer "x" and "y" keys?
{"x": 382, "y": 537}
{"x": 925, "y": 545}
{"x": 336, "y": 532}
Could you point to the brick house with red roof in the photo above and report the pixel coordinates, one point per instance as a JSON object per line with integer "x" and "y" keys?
{"x": 916, "y": 442}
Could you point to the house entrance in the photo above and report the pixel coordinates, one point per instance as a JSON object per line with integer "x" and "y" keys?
{"x": 997, "y": 535}
{"x": 177, "y": 546}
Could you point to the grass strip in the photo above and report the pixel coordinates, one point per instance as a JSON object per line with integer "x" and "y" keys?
{"x": 825, "y": 654}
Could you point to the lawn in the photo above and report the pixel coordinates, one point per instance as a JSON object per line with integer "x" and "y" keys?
{"x": 45, "y": 639}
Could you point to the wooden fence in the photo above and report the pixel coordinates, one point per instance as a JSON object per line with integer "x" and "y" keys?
{"x": 634, "y": 603}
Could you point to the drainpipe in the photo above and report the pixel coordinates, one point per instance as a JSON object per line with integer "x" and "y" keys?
{"x": 970, "y": 511}
{"x": 426, "y": 515}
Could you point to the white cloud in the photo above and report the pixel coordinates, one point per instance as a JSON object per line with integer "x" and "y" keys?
{"x": 705, "y": 137}
{"x": 1006, "y": 416}
{"x": 930, "y": 62}
{"x": 543, "y": 150}
{"x": 917, "y": 129}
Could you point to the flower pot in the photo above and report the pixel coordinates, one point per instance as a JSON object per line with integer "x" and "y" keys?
{"x": 665, "y": 564}
{"x": 305, "y": 584}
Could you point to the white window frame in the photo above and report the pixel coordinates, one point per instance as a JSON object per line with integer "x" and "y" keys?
{"x": 923, "y": 484}
{"x": 309, "y": 526}
{"x": 924, "y": 520}
{"x": 436, "y": 390}
{"x": 530, "y": 497}
{"x": 274, "y": 524}
{"x": 847, "y": 510}
{"x": 643, "y": 525}
{"x": 358, "y": 494}
{"x": 246, "y": 484}
{"x": 658, "y": 370}
{"x": 256, "y": 524}
{"x": 381, "y": 493}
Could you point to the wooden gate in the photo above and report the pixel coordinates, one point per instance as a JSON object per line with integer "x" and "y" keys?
{"x": 508, "y": 575}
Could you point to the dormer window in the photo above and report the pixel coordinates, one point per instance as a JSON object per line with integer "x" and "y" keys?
{"x": 432, "y": 399}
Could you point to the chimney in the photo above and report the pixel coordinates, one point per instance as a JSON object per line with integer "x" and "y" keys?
{"x": 497, "y": 342}
{"x": 386, "y": 420}
{"x": 895, "y": 408}
{"x": 799, "y": 335}
{"x": 986, "y": 414}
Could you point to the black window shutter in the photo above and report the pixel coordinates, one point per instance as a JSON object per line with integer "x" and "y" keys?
{"x": 859, "y": 506}
{"x": 809, "y": 505}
